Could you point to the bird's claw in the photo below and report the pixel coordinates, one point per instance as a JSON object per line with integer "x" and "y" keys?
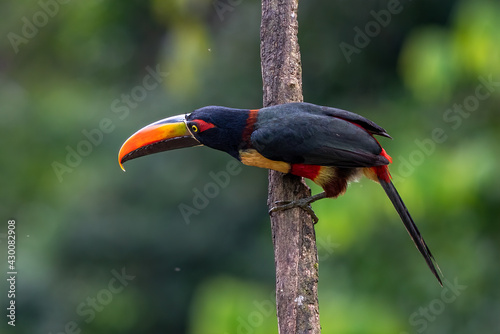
{"x": 304, "y": 204}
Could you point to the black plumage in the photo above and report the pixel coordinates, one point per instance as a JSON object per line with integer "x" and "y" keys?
{"x": 310, "y": 134}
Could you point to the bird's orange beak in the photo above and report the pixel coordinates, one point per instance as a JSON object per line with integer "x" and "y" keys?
{"x": 167, "y": 134}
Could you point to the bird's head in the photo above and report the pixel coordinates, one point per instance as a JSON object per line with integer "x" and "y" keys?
{"x": 220, "y": 128}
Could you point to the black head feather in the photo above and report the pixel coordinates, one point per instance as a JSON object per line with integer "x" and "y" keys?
{"x": 227, "y": 131}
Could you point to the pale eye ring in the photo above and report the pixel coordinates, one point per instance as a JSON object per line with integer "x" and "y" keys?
{"x": 194, "y": 128}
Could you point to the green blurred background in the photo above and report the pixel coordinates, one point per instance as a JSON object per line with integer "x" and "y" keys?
{"x": 102, "y": 251}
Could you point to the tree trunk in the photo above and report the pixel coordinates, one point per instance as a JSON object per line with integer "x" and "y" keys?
{"x": 294, "y": 240}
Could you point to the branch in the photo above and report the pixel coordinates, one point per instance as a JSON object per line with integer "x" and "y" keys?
{"x": 294, "y": 240}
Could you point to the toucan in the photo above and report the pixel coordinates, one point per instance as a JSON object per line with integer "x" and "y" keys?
{"x": 330, "y": 146}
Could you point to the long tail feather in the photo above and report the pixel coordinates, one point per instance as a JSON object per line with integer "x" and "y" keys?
{"x": 412, "y": 229}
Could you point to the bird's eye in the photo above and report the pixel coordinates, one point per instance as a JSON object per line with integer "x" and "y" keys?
{"x": 194, "y": 128}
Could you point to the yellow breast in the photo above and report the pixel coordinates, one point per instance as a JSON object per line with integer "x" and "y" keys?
{"x": 253, "y": 158}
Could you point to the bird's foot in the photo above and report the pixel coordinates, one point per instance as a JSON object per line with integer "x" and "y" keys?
{"x": 303, "y": 203}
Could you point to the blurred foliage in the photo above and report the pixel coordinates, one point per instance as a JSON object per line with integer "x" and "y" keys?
{"x": 453, "y": 55}
{"x": 73, "y": 88}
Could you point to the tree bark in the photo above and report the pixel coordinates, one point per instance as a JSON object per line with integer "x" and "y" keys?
{"x": 294, "y": 240}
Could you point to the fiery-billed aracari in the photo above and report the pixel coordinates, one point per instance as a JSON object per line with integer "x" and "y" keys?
{"x": 327, "y": 145}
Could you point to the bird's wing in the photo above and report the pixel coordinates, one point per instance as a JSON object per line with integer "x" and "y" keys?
{"x": 302, "y": 134}
{"x": 351, "y": 117}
